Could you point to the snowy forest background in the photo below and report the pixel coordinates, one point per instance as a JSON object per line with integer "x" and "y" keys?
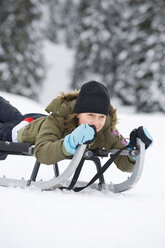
{"x": 118, "y": 42}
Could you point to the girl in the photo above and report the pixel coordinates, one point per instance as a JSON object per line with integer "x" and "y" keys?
{"x": 74, "y": 118}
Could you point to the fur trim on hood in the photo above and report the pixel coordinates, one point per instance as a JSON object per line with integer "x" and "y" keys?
{"x": 69, "y": 96}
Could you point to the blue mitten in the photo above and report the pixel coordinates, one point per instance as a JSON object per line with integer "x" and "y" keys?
{"x": 82, "y": 134}
{"x": 147, "y": 136}
{"x": 143, "y": 134}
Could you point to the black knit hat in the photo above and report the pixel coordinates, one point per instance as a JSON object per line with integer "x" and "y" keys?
{"x": 93, "y": 98}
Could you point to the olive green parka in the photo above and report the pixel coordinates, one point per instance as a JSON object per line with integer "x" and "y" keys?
{"x": 47, "y": 133}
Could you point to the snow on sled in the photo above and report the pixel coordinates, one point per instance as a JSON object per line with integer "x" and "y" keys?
{"x": 68, "y": 179}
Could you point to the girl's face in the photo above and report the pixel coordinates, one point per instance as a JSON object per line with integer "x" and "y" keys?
{"x": 98, "y": 120}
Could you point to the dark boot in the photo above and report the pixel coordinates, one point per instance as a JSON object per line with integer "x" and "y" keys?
{"x": 8, "y": 113}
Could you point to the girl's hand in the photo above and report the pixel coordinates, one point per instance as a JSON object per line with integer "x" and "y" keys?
{"x": 83, "y": 134}
{"x": 143, "y": 134}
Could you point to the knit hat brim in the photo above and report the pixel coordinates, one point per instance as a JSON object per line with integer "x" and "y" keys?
{"x": 93, "y": 98}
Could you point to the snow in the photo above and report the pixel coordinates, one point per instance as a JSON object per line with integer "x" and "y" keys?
{"x": 135, "y": 218}
{"x": 58, "y": 58}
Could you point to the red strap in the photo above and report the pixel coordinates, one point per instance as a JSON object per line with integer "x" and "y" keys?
{"x": 29, "y": 119}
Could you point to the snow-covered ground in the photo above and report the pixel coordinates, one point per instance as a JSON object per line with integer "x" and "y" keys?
{"x": 135, "y": 218}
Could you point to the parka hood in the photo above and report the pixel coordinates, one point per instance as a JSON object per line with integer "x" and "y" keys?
{"x": 64, "y": 104}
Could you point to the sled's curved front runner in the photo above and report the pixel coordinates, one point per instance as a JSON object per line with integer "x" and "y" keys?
{"x": 136, "y": 174}
{"x": 62, "y": 180}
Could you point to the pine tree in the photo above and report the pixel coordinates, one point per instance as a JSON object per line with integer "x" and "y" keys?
{"x": 141, "y": 79}
{"x": 62, "y": 21}
{"x": 21, "y": 61}
{"x": 54, "y": 20}
{"x": 121, "y": 43}
{"x": 98, "y": 42}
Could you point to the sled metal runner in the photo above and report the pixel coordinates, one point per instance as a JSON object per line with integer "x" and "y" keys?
{"x": 62, "y": 180}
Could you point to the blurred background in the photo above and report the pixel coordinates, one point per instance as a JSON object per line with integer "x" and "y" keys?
{"x": 57, "y": 45}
